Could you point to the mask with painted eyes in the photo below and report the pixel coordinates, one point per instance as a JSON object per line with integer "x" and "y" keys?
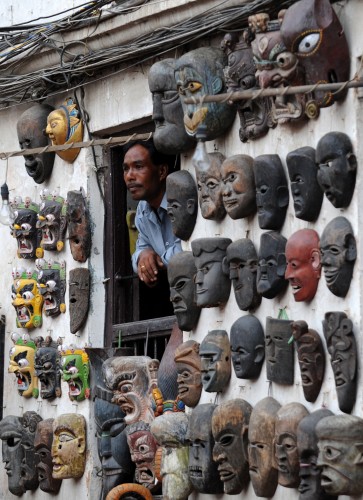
{"x": 75, "y": 371}
{"x": 79, "y": 229}
{"x": 279, "y": 352}
{"x": 27, "y": 300}
{"x": 52, "y": 286}
{"x": 247, "y": 347}
{"x": 215, "y": 355}
{"x": 42, "y": 447}
{"x": 182, "y": 198}
{"x": 51, "y": 222}
{"x": 22, "y": 365}
{"x": 48, "y": 368}
{"x": 24, "y": 227}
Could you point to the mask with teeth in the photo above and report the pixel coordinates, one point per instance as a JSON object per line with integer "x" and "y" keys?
{"x": 51, "y": 222}
{"x": 75, "y": 371}
{"x": 27, "y": 299}
{"x": 52, "y": 286}
{"x": 48, "y": 368}
{"x": 42, "y": 446}
{"x": 22, "y": 365}
{"x": 24, "y": 227}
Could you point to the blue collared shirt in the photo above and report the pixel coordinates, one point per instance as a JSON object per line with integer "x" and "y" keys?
{"x": 154, "y": 233}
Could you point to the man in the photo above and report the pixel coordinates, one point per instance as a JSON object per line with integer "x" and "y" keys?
{"x": 145, "y": 172}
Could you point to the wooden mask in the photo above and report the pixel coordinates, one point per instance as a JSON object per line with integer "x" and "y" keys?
{"x": 215, "y": 355}
{"x": 182, "y": 198}
{"x": 52, "y": 222}
{"x": 208, "y": 173}
{"x": 22, "y": 365}
{"x": 42, "y": 445}
{"x": 48, "y": 367}
{"x": 279, "y": 353}
{"x": 24, "y": 227}
{"x": 75, "y": 371}
{"x": 247, "y": 347}
{"x": 52, "y": 285}
{"x": 27, "y": 299}
{"x": 188, "y": 365}
{"x": 79, "y": 294}
{"x": 79, "y": 229}
{"x": 271, "y": 265}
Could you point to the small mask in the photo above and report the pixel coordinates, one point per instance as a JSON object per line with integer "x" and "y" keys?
{"x": 279, "y": 353}
{"x": 272, "y": 195}
{"x": 340, "y": 341}
{"x": 238, "y": 186}
{"x": 311, "y": 357}
{"x": 52, "y": 286}
{"x": 247, "y": 347}
{"x": 79, "y": 230}
{"x": 27, "y": 299}
{"x": 209, "y": 180}
{"x": 338, "y": 254}
{"x": 51, "y": 222}
{"x": 22, "y": 365}
{"x": 230, "y": 432}
{"x": 303, "y": 264}
{"x": 64, "y": 126}
{"x": 337, "y": 168}
{"x": 305, "y": 189}
{"x": 212, "y": 285}
{"x": 69, "y": 446}
{"x": 188, "y": 365}
{"x": 182, "y": 198}
{"x": 75, "y": 371}
{"x": 24, "y": 227}
{"x": 271, "y": 265}
{"x": 261, "y": 453}
{"x": 286, "y": 452}
{"x": 48, "y": 368}
{"x": 197, "y": 73}
{"x": 79, "y": 294}
{"x": 215, "y": 355}
{"x": 30, "y": 128}
{"x": 42, "y": 446}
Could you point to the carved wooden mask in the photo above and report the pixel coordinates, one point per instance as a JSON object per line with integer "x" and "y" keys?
{"x": 48, "y": 368}
{"x": 22, "y": 365}
{"x": 279, "y": 353}
{"x": 188, "y": 365}
{"x": 271, "y": 265}
{"x": 51, "y": 222}
{"x": 75, "y": 371}
{"x": 215, "y": 355}
{"x": 182, "y": 198}
{"x": 24, "y": 227}
{"x": 79, "y": 294}
{"x": 79, "y": 229}
{"x": 52, "y": 286}
{"x": 42, "y": 446}
{"x": 27, "y": 299}
{"x": 247, "y": 347}
{"x": 208, "y": 173}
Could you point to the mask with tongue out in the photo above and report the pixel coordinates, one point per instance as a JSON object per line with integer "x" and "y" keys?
{"x": 24, "y": 227}
{"x": 75, "y": 371}
{"x": 51, "y": 222}
{"x": 27, "y": 299}
{"x": 52, "y": 286}
{"x": 47, "y": 367}
{"x": 22, "y": 365}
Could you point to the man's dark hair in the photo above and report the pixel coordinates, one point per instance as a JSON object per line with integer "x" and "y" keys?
{"x": 156, "y": 157}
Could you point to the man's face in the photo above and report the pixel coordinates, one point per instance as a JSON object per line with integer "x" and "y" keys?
{"x": 143, "y": 448}
{"x": 69, "y": 446}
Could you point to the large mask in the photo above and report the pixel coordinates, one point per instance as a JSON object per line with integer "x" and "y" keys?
{"x": 42, "y": 446}
{"x": 305, "y": 189}
{"x": 79, "y": 295}
{"x": 52, "y": 286}
{"x": 69, "y": 446}
{"x": 286, "y": 452}
{"x": 247, "y": 347}
{"x": 169, "y": 136}
{"x": 338, "y": 254}
{"x": 51, "y": 222}
{"x": 230, "y": 431}
{"x": 27, "y": 299}
{"x": 212, "y": 285}
{"x": 64, "y": 126}
{"x": 337, "y": 168}
{"x": 48, "y": 368}
{"x": 78, "y": 221}
{"x": 272, "y": 194}
{"x": 215, "y": 355}
{"x": 18, "y": 454}
{"x": 203, "y": 471}
{"x": 169, "y": 430}
{"x": 340, "y": 454}
{"x": 240, "y": 264}
{"x": 181, "y": 272}
{"x": 198, "y": 73}
{"x": 24, "y": 227}
{"x": 340, "y": 341}
{"x": 188, "y": 365}
{"x": 278, "y": 351}
{"x": 75, "y": 371}
{"x": 261, "y": 452}
{"x": 22, "y": 365}
{"x": 303, "y": 264}
{"x": 182, "y": 198}
{"x": 307, "y": 443}
{"x": 30, "y": 127}
{"x": 271, "y": 265}
{"x": 208, "y": 173}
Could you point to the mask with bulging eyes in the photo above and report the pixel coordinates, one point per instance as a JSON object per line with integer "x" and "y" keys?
{"x": 51, "y": 222}
{"x": 24, "y": 227}
{"x": 52, "y": 286}
{"x": 22, "y": 365}
{"x": 27, "y": 300}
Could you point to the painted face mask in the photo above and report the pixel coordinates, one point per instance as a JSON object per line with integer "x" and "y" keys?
{"x": 78, "y": 221}
{"x": 271, "y": 265}
{"x": 247, "y": 347}
{"x": 188, "y": 366}
{"x": 215, "y": 355}
{"x": 48, "y": 368}
{"x": 27, "y": 299}
{"x": 52, "y": 286}
{"x": 24, "y": 227}
{"x": 75, "y": 371}
{"x": 208, "y": 172}
{"x": 22, "y": 365}
{"x": 79, "y": 294}
{"x": 42, "y": 447}
{"x": 182, "y": 196}
{"x": 279, "y": 353}
{"x": 51, "y": 222}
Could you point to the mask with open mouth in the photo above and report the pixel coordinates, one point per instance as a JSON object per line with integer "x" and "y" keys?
{"x": 22, "y": 365}
{"x": 51, "y": 222}
{"x": 48, "y": 367}
{"x": 24, "y": 227}
{"x": 75, "y": 371}
{"x": 52, "y": 286}
{"x": 27, "y": 299}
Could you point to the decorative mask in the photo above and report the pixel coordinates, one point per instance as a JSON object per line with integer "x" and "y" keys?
{"x": 340, "y": 454}
{"x": 131, "y": 380}
{"x": 230, "y": 432}
{"x": 75, "y": 371}
{"x": 311, "y": 356}
{"x": 48, "y": 368}
{"x": 42, "y": 446}
{"x": 182, "y": 198}
{"x": 79, "y": 294}
{"x": 305, "y": 190}
{"x": 338, "y": 254}
{"x": 181, "y": 272}
{"x": 212, "y": 285}
{"x": 51, "y": 222}
{"x": 337, "y": 168}
{"x": 307, "y": 444}
{"x": 69, "y": 446}
{"x": 52, "y": 285}
{"x": 279, "y": 352}
{"x": 198, "y": 73}
{"x": 188, "y": 365}
{"x": 240, "y": 263}
{"x": 286, "y": 452}
{"x": 303, "y": 264}
{"x": 340, "y": 341}
{"x": 169, "y": 430}
{"x": 24, "y": 227}
{"x": 64, "y": 126}
{"x": 272, "y": 194}
{"x": 79, "y": 230}
{"x": 22, "y": 365}
{"x": 215, "y": 355}
{"x": 271, "y": 265}
{"x": 169, "y": 136}
{"x": 17, "y": 435}
{"x": 27, "y": 299}
{"x": 261, "y": 453}
{"x": 247, "y": 347}
{"x": 208, "y": 173}
{"x": 238, "y": 186}
{"x": 203, "y": 471}
{"x": 30, "y": 128}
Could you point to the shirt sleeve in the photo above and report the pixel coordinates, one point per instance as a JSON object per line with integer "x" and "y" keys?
{"x": 172, "y": 250}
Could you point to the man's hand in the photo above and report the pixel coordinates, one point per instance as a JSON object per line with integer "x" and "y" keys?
{"x": 148, "y": 266}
